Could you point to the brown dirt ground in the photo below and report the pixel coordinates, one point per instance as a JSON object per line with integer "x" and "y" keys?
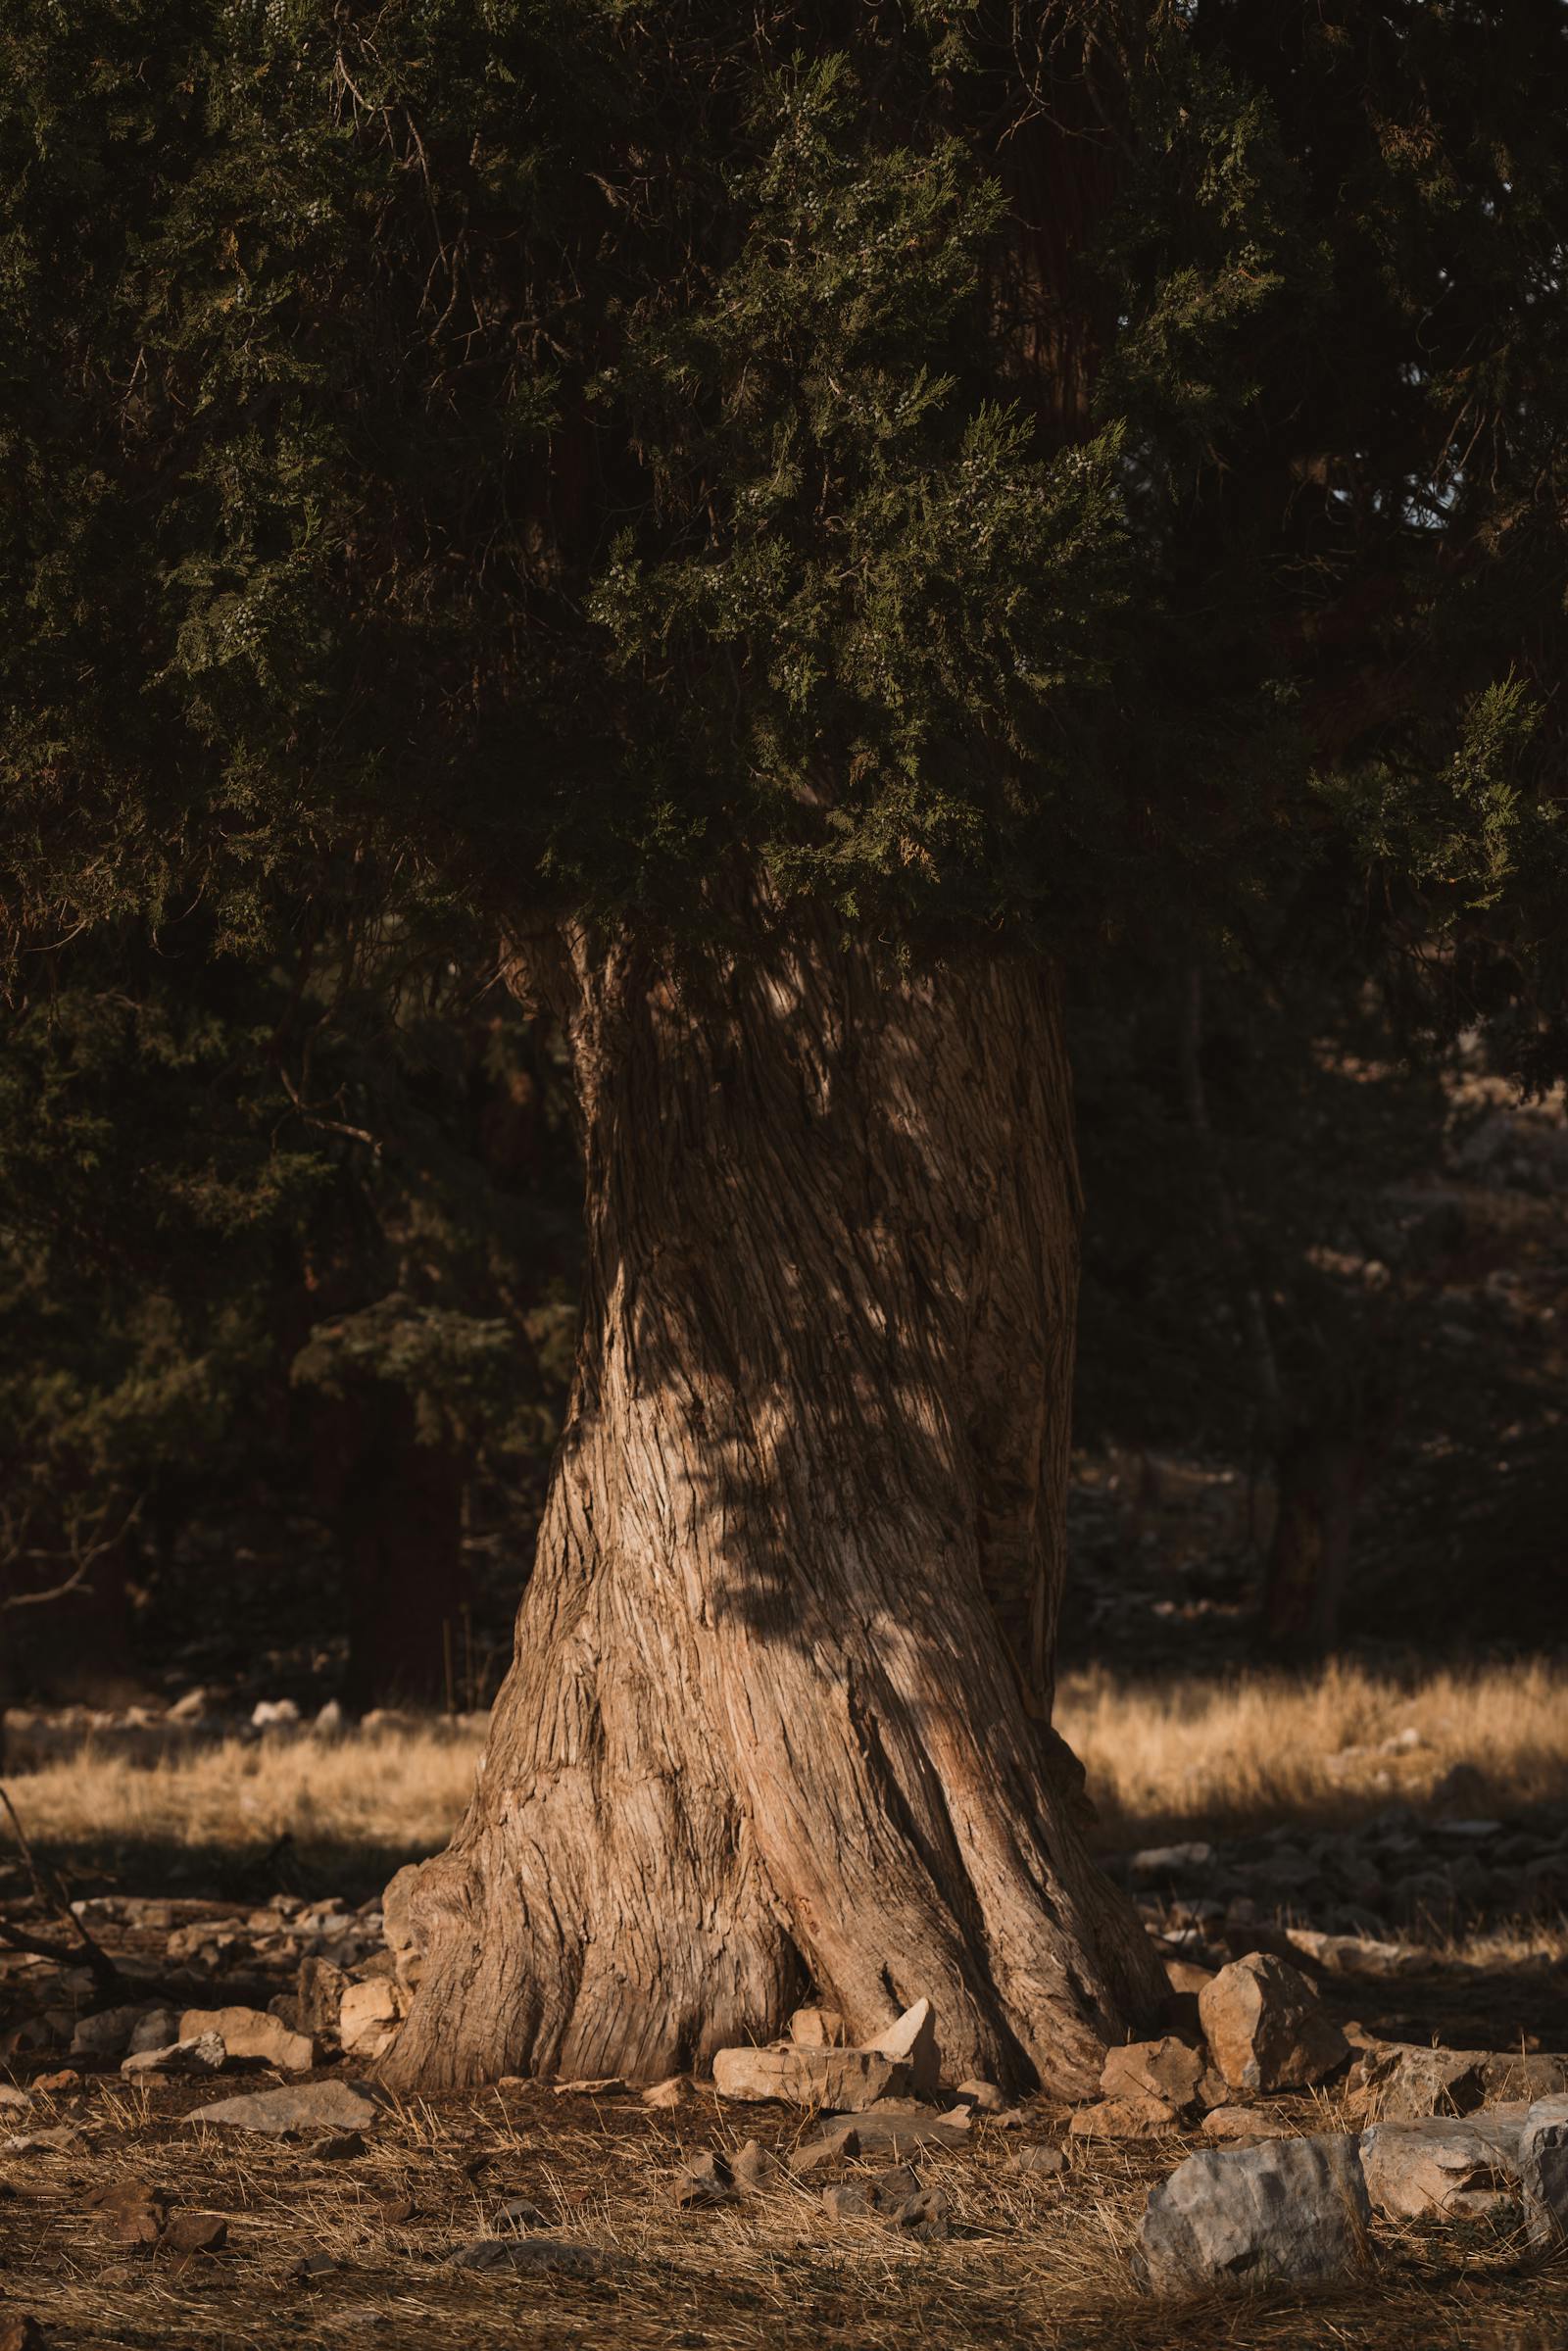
{"x": 1032, "y": 2261}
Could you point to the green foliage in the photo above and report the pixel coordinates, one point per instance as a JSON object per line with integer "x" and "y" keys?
{"x": 542, "y": 452}
{"x": 230, "y": 1191}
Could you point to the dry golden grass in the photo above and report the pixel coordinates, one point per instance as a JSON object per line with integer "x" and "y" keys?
{"x": 1182, "y": 1758}
{"x": 393, "y": 1792}
{"x": 1212, "y": 1756}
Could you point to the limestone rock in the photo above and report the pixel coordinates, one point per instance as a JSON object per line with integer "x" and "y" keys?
{"x": 130, "y": 2212}
{"x": 369, "y": 2017}
{"x": 837, "y": 2145}
{"x": 1543, "y": 2170}
{"x": 252, "y": 2033}
{"x": 753, "y": 2169}
{"x": 1288, "y": 2210}
{"x": 1239, "y": 2123}
{"x": 196, "y": 2233}
{"x": 320, "y": 1994}
{"x": 1133, "y": 2117}
{"x": 1461, "y": 2170}
{"x": 199, "y": 2053}
{"x": 330, "y": 2105}
{"x": 1186, "y": 1975}
{"x": 983, "y": 2098}
{"x": 912, "y": 2042}
{"x": 1165, "y": 2068}
{"x": 1400, "y": 2082}
{"x": 704, "y": 2178}
{"x": 843, "y": 2078}
{"x": 873, "y": 2133}
{"x": 674, "y": 2091}
{"x": 1266, "y": 2027}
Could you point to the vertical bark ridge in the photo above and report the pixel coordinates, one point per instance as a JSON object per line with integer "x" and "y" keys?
{"x": 796, "y": 1581}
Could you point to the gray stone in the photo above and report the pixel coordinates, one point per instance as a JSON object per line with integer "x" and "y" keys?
{"x": 154, "y": 2030}
{"x": 846, "y": 2079}
{"x": 1459, "y": 2170}
{"x": 1543, "y": 2170}
{"x": 874, "y": 2133}
{"x": 1288, "y": 2210}
{"x": 529, "y": 2254}
{"x": 1172, "y": 1861}
{"x": 332, "y": 2105}
{"x": 108, "y": 2032}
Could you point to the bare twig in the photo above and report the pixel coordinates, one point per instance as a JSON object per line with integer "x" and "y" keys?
{"x": 52, "y": 1894}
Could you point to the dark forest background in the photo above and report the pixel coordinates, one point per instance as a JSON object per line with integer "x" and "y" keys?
{"x": 288, "y": 1265}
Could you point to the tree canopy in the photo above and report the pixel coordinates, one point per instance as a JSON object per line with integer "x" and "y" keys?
{"x": 1010, "y": 473}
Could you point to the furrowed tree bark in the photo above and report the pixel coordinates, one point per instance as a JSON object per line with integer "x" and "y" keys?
{"x": 778, "y": 1709}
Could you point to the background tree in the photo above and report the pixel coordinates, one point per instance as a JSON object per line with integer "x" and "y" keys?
{"x": 806, "y": 527}
{"x": 286, "y": 1265}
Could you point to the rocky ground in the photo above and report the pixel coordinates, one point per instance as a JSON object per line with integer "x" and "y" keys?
{"x": 600, "y": 2215}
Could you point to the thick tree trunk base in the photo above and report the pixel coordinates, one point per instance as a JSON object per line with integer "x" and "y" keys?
{"x": 778, "y": 1714}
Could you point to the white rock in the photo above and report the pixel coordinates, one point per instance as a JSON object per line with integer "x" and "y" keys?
{"x": 1458, "y": 2169}
{"x": 841, "y": 2079}
{"x": 203, "y": 2054}
{"x": 252, "y": 2033}
{"x": 274, "y": 1714}
{"x": 369, "y": 2019}
{"x": 912, "y": 2042}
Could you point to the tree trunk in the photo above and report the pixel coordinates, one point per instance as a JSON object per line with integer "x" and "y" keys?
{"x": 1320, "y": 1479}
{"x": 400, "y": 1537}
{"x": 777, "y": 1714}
